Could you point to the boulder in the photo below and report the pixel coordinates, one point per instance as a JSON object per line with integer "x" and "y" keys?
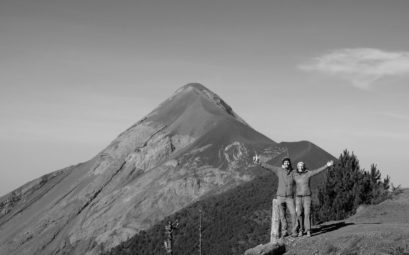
{"x": 266, "y": 249}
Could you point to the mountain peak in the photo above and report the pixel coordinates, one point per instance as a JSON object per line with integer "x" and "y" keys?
{"x": 194, "y": 85}
{"x": 210, "y": 96}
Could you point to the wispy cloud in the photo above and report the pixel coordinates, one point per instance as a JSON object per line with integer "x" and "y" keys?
{"x": 361, "y": 66}
{"x": 394, "y": 115}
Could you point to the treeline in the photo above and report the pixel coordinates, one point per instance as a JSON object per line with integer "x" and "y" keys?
{"x": 347, "y": 186}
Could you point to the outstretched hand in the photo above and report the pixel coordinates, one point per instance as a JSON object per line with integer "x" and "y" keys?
{"x": 330, "y": 163}
{"x": 256, "y": 160}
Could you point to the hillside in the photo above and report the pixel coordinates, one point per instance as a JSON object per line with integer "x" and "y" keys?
{"x": 190, "y": 147}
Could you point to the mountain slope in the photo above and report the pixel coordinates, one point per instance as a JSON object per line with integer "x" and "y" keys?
{"x": 192, "y": 145}
{"x": 231, "y": 222}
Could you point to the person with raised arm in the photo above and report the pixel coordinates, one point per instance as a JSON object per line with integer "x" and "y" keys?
{"x": 285, "y": 192}
{"x": 303, "y": 195}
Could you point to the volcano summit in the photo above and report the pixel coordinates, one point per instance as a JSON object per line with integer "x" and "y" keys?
{"x": 192, "y": 145}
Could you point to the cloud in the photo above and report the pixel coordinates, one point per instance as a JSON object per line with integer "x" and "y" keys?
{"x": 361, "y": 66}
{"x": 394, "y": 115}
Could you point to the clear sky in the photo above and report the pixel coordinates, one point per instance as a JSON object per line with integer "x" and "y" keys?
{"x": 74, "y": 74}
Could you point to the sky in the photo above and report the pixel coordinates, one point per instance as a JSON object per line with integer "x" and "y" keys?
{"x": 74, "y": 74}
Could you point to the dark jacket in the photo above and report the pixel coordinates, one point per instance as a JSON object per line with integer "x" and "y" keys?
{"x": 285, "y": 180}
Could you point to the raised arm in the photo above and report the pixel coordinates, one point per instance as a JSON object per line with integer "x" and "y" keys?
{"x": 275, "y": 169}
{"x": 256, "y": 160}
{"x": 319, "y": 170}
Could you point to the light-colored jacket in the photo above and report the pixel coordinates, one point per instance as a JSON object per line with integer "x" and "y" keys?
{"x": 302, "y": 181}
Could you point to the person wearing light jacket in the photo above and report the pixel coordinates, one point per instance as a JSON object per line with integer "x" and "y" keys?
{"x": 303, "y": 195}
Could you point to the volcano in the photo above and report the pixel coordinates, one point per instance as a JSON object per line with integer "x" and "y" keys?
{"x": 191, "y": 146}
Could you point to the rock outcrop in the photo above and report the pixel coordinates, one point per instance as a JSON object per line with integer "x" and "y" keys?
{"x": 267, "y": 249}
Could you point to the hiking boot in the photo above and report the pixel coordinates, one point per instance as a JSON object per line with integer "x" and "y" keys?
{"x": 308, "y": 234}
{"x": 300, "y": 234}
{"x": 294, "y": 234}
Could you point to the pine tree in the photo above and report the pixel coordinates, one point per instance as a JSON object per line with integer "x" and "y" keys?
{"x": 347, "y": 187}
{"x": 386, "y": 182}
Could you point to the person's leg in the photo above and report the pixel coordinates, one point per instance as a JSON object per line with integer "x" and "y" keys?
{"x": 307, "y": 212}
{"x": 298, "y": 210}
{"x": 291, "y": 208}
{"x": 281, "y": 208}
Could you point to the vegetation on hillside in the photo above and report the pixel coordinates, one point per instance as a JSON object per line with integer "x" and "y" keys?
{"x": 231, "y": 223}
{"x": 347, "y": 186}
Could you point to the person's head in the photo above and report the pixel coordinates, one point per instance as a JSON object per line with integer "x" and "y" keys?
{"x": 286, "y": 163}
{"x": 300, "y": 167}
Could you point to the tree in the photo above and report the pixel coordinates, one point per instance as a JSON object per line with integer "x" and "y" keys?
{"x": 347, "y": 186}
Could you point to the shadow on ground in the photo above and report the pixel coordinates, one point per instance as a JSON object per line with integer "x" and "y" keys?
{"x": 322, "y": 229}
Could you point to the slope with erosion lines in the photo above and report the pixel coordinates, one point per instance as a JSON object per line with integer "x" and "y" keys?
{"x": 151, "y": 170}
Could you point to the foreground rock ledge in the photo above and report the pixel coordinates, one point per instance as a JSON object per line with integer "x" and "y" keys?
{"x": 267, "y": 249}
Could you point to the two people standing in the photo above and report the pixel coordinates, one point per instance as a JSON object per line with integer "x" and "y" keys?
{"x": 287, "y": 178}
